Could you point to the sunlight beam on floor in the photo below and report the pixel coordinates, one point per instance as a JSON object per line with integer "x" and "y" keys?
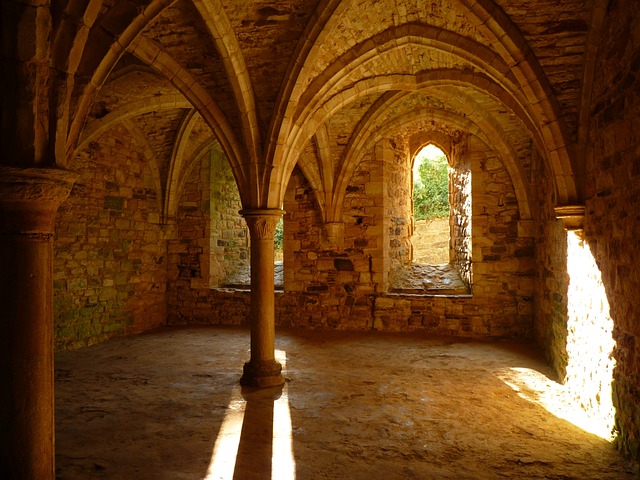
{"x": 283, "y": 465}
{"x": 225, "y": 450}
{"x": 585, "y": 397}
{"x": 537, "y": 388}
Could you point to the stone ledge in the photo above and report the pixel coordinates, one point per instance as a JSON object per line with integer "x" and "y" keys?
{"x": 401, "y": 294}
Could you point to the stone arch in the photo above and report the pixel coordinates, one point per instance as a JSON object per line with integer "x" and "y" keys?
{"x": 177, "y": 161}
{"x": 426, "y": 137}
{"x": 388, "y": 83}
{"x": 126, "y": 112}
{"x": 92, "y": 53}
{"x": 150, "y": 158}
{"x": 534, "y": 112}
{"x": 306, "y": 52}
{"x": 178, "y": 177}
{"x": 507, "y": 40}
{"x": 200, "y": 99}
{"x": 489, "y": 136}
{"x": 591, "y": 55}
{"x": 226, "y": 42}
{"x": 333, "y": 79}
{"x": 490, "y": 129}
{"x": 320, "y": 90}
{"x": 328, "y": 84}
{"x": 98, "y": 65}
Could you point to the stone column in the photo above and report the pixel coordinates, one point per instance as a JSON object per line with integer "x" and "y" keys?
{"x": 29, "y": 199}
{"x": 262, "y": 370}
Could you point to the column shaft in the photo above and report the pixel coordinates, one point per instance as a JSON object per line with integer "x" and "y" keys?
{"x": 29, "y": 199}
{"x": 262, "y": 370}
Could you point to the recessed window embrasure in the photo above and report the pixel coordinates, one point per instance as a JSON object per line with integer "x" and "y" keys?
{"x": 441, "y": 226}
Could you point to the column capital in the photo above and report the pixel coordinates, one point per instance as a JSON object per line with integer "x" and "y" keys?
{"x": 262, "y": 221}
{"x": 333, "y": 234}
{"x": 30, "y": 197}
{"x": 572, "y": 216}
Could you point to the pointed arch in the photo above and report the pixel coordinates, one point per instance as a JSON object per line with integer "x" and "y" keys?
{"x": 529, "y": 95}
{"x": 226, "y": 42}
{"x": 199, "y": 98}
{"x": 96, "y": 49}
{"x": 507, "y": 40}
{"x": 126, "y": 112}
{"x": 488, "y": 134}
{"x": 177, "y": 160}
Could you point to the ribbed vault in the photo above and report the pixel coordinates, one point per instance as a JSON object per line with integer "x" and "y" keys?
{"x": 313, "y": 83}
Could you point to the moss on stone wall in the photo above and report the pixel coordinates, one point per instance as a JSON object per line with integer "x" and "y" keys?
{"x": 109, "y": 267}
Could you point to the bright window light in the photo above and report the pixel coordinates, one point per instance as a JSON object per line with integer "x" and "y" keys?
{"x": 589, "y": 339}
{"x": 584, "y": 398}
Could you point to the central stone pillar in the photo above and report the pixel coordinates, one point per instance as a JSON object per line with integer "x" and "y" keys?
{"x": 262, "y": 370}
{"x": 29, "y": 199}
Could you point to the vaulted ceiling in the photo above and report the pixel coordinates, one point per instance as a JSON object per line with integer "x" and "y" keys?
{"x": 315, "y": 82}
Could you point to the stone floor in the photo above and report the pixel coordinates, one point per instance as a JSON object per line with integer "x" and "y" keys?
{"x": 167, "y": 405}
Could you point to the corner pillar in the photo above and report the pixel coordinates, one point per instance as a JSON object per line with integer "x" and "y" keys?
{"x": 262, "y": 370}
{"x": 29, "y": 200}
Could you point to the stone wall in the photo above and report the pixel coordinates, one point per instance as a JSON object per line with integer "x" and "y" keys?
{"x": 229, "y": 233}
{"x": 573, "y": 325}
{"x": 503, "y": 266}
{"x": 335, "y": 276}
{"x": 109, "y": 252}
{"x": 327, "y": 286}
{"x": 461, "y": 202}
{"x": 612, "y": 223}
{"x": 189, "y": 245}
{"x": 208, "y": 246}
{"x": 502, "y": 242}
{"x": 552, "y": 283}
{"x": 398, "y": 208}
{"x": 586, "y": 319}
{"x": 590, "y": 343}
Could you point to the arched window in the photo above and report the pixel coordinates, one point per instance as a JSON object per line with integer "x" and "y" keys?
{"x": 440, "y": 233}
{"x": 431, "y": 209}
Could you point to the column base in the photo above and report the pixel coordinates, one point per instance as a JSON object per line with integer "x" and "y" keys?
{"x": 262, "y": 374}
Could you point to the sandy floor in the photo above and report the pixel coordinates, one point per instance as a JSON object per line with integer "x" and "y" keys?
{"x": 167, "y": 405}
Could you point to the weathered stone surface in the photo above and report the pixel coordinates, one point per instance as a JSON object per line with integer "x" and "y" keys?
{"x": 613, "y": 205}
{"x": 109, "y": 267}
{"x": 179, "y": 115}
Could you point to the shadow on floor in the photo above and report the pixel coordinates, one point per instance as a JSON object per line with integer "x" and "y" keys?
{"x": 355, "y": 406}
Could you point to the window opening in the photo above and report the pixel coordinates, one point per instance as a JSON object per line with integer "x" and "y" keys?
{"x": 440, "y": 233}
{"x": 278, "y": 241}
{"x": 229, "y": 235}
{"x": 278, "y": 254}
{"x": 431, "y": 209}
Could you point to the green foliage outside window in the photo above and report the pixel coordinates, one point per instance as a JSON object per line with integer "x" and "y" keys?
{"x": 431, "y": 189}
{"x": 279, "y": 236}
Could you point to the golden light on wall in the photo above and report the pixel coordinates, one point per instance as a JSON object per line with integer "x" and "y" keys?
{"x": 584, "y": 397}
{"x": 589, "y": 341}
